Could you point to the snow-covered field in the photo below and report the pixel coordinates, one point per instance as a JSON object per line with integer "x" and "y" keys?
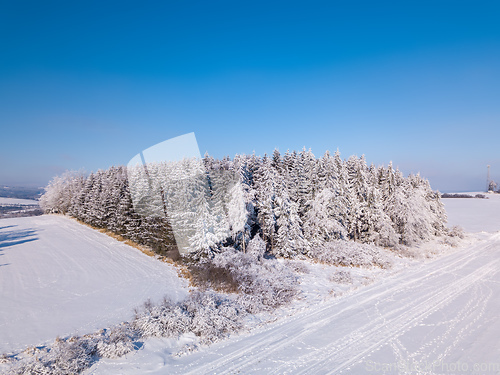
{"x": 474, "y": 215}
{"x": 17, "y": 202}
{"x": 427, "y": 316}
{"x": 58, "y": 277}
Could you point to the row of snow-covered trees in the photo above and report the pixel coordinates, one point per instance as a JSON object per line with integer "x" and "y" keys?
{"x": 295, "y": 202}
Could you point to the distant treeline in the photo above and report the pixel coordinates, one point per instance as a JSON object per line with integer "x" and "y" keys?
{"x": 461, "y": 195}
{"x": 295, "y": 202}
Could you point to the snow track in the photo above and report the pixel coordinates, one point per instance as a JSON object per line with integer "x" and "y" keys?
{"x": 424, "y": 317}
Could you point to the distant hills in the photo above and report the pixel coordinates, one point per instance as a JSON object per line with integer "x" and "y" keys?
{"x": 21, "y": 192}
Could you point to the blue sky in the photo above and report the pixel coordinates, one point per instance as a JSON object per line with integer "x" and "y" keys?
{"x": 90, "y": 84}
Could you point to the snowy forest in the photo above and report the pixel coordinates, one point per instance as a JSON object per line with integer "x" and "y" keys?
{"x": 296, "y": 203}
{"x": 230, "y": 223}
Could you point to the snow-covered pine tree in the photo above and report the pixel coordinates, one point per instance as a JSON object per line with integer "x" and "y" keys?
{"x": 117, "y": 196}
{"x": 341, "y": 202}
{"x": 320, "y": 223}
{"x": 290, "y": 239}
{"x": 306, "y": 173}
{"x": 221, "y": 179}
{"x": 247, "y": 189}
{"x": 435, "y": 208}
{"x": 276, "y": 161}
{"x": 265, "y": 177}
{"x": 290, "y": 174}
{"x": 204, "y": 239}
{"x": 356, "y": 197}
{"x": 379, "y": 227}
{"x": 407, "y": 209}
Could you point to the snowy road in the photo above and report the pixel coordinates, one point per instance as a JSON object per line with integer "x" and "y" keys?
{"x": 58, "y": 277}
{"x": 441, "y": 314}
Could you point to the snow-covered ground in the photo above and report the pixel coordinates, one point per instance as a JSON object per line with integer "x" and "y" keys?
{"x": 58, "y": 277}
{"x": 431, "y": 317}
{"x": 473, "y": 214}
{"x": 17, "y": 202}
{"x": 439, "y": 316}
{"x": 435, "y": 316}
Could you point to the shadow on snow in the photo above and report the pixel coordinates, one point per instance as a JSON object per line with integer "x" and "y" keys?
{"x": 16, "y": 237}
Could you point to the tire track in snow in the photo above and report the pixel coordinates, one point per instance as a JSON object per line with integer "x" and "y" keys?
{"x": 349, "y": 350}
{"x": 271, "y": 341}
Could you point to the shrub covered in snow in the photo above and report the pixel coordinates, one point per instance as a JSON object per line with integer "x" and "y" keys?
{"x": 75, "y": 354}
{"x": 263, "y": 283}
{"x": 348, "y": 253}
{"x": 208, "y": 315}
{"x": 341, "y": 277}
{"x": 453, "y": 236}
{"x": 456, "y": 231}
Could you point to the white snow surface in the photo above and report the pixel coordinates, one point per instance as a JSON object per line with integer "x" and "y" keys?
{"x": 16, "y": 201}
{"x": 473, "y": 214}
{"x": 430, "y": 316}
{"x": 436, "y": 315}
{"x": 59, "y": 278}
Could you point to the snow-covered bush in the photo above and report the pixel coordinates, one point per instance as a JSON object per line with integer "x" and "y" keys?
{"x": 209, "y": 315}
{"x": 256, "y": 247}
{"x": 265, "y": 283}
{"x": 453, "y": 236}
{"x": 168, "y": 319}
{"x": 298, "y": 266}
{"x": 349, "y": 253}
{"x": 456, "y": 231}
{"x": 116, "y": 341}
{"x": 271, "y": 281}
{"x": 213, "y": 315}
{"x": 75, "y": 354}
{"x": 63, "y": 357}
{"x": 341, "y": 277}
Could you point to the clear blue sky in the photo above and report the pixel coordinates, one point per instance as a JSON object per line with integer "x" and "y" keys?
{"x": 90, "y": 84}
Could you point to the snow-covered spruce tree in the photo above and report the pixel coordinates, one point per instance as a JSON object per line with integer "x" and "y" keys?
{"x": 79, "y": 207}
{"x": 95, "y": 209}
{"x": 290, "y": 174}
{"x": 238, "y": 214}
{"x": 265, "y": 178}
{"x": 306, "y": 173}
{"x": 357, "y": 184}
{"x": 290, "y": 239}
{"x": 406, "y": 206}
{"x": 323, "y": 219}
{"x": 116, "y": 201}
{"x": 209, "y": 225}
{"x": 340, "y": 189}
{"x": 242, "y": 216}
{"x": 434, "y": 204}
{"x": 320, "y": 222}
{"x": 379, "y": 227}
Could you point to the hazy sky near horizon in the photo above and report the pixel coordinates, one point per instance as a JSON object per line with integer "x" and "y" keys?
{"x": 91, "y": 84}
